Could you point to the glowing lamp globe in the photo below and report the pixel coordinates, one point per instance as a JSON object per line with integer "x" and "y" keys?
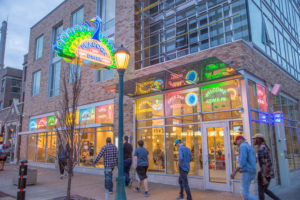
{"x": 121, "y": 58}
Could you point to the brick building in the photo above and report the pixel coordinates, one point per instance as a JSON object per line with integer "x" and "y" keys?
{"x": 202, "y": 71}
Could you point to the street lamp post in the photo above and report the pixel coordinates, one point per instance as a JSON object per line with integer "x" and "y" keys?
{"x": 121, "y": 58}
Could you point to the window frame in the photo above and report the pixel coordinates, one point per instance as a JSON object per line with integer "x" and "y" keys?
{"x": 34, "y": 83}
{"x": 37, "y": 47}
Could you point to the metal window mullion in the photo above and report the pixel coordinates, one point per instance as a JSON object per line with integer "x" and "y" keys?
{"x": 46, "y": 145}
{"x": 165, "y": 147}
{"x": 223, "y": 23}
{"x": 142, "y": 36}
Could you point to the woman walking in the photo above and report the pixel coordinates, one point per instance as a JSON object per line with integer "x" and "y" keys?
{"x": 265, "y": 173}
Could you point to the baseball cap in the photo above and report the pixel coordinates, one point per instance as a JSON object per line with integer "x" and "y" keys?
{"x": 239, "y": 137}
{"x": 177, "y": 141}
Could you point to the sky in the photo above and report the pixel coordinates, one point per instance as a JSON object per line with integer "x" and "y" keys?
{"x": 21, "y": 15}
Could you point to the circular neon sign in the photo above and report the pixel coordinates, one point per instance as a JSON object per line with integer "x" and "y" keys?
{"x": 191, "y": 77}
{"x": 191, "y": 99}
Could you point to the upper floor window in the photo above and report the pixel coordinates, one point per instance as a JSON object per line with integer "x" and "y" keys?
{"x": 15, "y": 86}
{"x": 2, "y": 85}
{"x": 77, "y": 17}
{"x": 74, "y": 72}
{"x": 39, "y": 47}
{"x": 54, "y": 79}
{"x": 56, "y": 32}
{"x": 36, "y": 83}
{"x": 104, "y": 75}
{"x": 107, "y": 13}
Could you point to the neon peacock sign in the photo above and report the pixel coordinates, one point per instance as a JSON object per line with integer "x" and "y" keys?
{"x": 85, "y": 45}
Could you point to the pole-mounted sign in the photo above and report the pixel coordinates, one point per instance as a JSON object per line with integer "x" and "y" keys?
{"x": 85, "y": 45}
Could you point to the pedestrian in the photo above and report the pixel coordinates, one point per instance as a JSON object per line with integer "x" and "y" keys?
{"x": 265, "y": 173}
{"x": 4, "y": 151}
{"x": 127, "y": 161}
{"x": 141, "y": 166}
{"x": 246, "y": 165}
{"x": 109, "y": 152}
{"x": 62, "y": 160}
{"x": 184, "y": 159}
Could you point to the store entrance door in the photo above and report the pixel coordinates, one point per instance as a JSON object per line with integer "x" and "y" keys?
{"x": 216, "y": 156}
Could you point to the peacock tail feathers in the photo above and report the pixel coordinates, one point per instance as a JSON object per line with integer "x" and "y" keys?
{"x": 69, "y": 39}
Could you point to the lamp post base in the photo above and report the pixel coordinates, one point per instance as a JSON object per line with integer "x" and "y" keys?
{"x": 120, "y": 194}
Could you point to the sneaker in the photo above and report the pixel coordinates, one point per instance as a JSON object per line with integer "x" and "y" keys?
{"x": 146, "y": 194}
{"x": 110, "y": 192}
{"x": 136, "y": 189}
{"x": 179, "y": 198}
{"x": 61, "y": 176}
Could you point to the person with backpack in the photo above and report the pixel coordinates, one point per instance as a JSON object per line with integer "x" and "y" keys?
{"x": 246, "y": 165}
{"x": 265, "y": 173}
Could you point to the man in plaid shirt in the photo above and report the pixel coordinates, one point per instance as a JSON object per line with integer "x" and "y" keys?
{"x": 110, "y": 158}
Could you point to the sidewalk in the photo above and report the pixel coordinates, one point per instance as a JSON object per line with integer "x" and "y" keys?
{"x": 49, "y": 186}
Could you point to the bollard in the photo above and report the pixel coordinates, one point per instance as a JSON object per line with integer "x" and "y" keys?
{"x": 22, "y": 180}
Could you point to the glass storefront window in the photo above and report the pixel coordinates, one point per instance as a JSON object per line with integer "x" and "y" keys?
{"x": 41, "y": 143}
{"x": 154, "y": 142}
{"x": 149, "y": 107}
{"x": 221, "y": 96}
{"x": 216, "y": 154}
{"x": 182, "y": 102}
{"x": 191, "y": 137}
{"x": 236, "y": 128}
{"x": 86, "y": 153}
{"x": 222, "y": 115}
{"x": 296, "y": 143}
{"x": 101, "y": 134}
{"x": 51, "y": 147}
{"x": 289, "y": 147}
{"x": 31, "y": 148}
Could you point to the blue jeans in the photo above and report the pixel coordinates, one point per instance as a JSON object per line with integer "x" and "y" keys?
{"x": 127, "y": 166}
{"x": 184, "y": 184}
{"x": 108, "y": 175}
{"x": 246, "y": 179}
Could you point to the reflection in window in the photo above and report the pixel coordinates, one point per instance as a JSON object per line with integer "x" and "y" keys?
{"x": 149, "y": 107}
{"x": 86, "y": 154}
{"x": 51, "y": 147}
{"x": 191, "y": 137}
{"x": 154, "y": 142}
{"x": 236, "y": 128}
{"x": 41, "y": 143}
{"x": 182, "y": 102}
{"x": 31, "y": 148}
{"x": 101, "y": 134}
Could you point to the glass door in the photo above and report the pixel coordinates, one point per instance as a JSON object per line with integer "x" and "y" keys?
{"x": 216, "y": 156}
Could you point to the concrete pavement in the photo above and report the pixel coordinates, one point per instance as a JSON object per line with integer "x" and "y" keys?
{"x": 49, "y": 186}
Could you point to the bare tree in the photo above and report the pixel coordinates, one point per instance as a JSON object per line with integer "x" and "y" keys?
{"x": 66, "y": 116}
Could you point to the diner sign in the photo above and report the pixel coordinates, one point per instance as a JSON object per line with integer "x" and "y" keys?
{"x": 85, "y": 45}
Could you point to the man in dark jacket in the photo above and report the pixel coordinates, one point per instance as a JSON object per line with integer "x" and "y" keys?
{"x": 127, "y": 160}
{"x": 184, "y": 159}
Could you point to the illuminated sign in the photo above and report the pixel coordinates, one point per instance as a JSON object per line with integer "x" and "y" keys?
{"x": 158, "y": 84}
{"x": 94, "y": 51}
{"x": 176, "y": 80}
{"x": 191, "y": 77}
{"x": 33, "y": 124}
{"x": 42, "y": 123}
{"x": 219, "y": 94}
{"x": 87, "y": 116}
{"x": 175, "y": 101}
{"x": 85, "y": 45}
{"x": 148, "y": 106}
{"x": 104, "y": 114}
{"x": 262, "y": 98}
{"x": 51, "y": 121}
{"x": 191, "y": 99}
{"x": 144, "y": 88}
